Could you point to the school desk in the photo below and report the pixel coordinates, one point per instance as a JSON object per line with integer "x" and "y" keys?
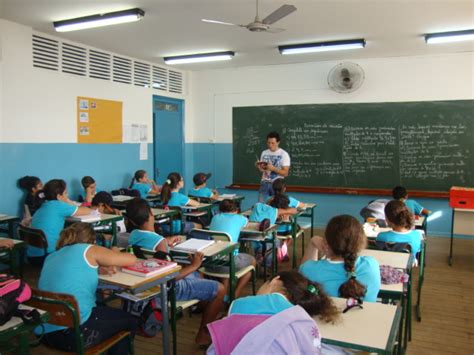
{"x": 102, "y": 224}
{"x": 137, "y": 284}
{"x": 14, "y": 256}
{"x": 292, "y": 221}
{"x": 462, "y": 222}
{"x": 14, "y": 328}
{"x": 308, "y": 211}
{"x": 269, "y": 235}
{"x": 121, "y": 201}
{"x": 401, "y": 291}
{"x": 372, "y": 329}
{"x": 10, "y": 221}
{"x": 165, "y": 215}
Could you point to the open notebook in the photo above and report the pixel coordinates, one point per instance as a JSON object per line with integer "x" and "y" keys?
{"x": 193, "y": 245}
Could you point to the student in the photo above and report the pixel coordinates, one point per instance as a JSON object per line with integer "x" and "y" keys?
{"x": 102, "y": 202}
{"x": 279, "y": 201}
{"x": 190, "y": 284}
{"x": 143, "y": 184}
{"x": 90, "y": 189}
{"x": 401, "y": 194}
{"x": 170, "y": 196}
{"x": 50, "y": 217}
{"x": 78, "y": 260}
{"x": 343, "y": 273}
{"x": 229, "y": 221}
{"x": 275, "y": 321}
{"x": 34, "y": 194}
{"x": 400, "y": 219}
{"x": 200, "y": 188}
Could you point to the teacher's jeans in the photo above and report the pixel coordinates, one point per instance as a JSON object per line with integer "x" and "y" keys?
{"x": 265, "y": 191}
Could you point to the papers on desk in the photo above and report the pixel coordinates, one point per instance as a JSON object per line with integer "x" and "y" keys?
{"x": 142, "y": 296}
{"x": 122, "y": 198}
{"x": 92, "y": 217}
{"x": 193, "y": 245}
{"x": 227, "y": 196}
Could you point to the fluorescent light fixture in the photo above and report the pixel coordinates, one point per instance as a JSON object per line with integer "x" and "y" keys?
{"x": 99, "y": 20}
{"x": 453, "y": 36}
{"x": 322, "y": 46}
{"x": 196, "y": 58}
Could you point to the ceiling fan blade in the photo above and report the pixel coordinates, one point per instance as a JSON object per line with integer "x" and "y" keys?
{"x": 275, "y": 30}
{"x": 278, "y": 14}
{"x": 220, "y": 22}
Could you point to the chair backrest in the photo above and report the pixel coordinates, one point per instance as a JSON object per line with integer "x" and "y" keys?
{"x": 200, "y": 199}
{"x": 33, "y": 237}
{"x": 390, "y": 246}
{"x": 63, "y": 308}
{"x": 209, "y": 235}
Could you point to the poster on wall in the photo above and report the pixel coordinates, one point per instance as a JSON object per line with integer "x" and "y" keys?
{"x": 99, "y": 121}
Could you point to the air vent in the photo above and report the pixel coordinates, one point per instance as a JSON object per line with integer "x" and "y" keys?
{"x": 45, "y": 53}
{"x": 73, "y": 59}
{"x": 122, "y": 70}
{"x": 141, "y": 74}
{"x": 99, "y": 65}
{"x": 175, "y": 82}
{"x": 159, "y": 78}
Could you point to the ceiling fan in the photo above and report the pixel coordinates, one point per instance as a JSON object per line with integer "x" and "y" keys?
{"x": 262, "y": 25}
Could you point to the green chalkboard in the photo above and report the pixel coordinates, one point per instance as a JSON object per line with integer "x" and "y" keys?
{"x": 425, "y": 146}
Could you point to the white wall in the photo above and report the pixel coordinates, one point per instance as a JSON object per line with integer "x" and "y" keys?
{"x": 215, "y": 92}
{"x": 39, "y": 106}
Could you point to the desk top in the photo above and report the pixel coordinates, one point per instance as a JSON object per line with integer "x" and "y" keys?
{"x": 371, "y": 328}
{"x": 457, "y": 210}
{"x": 218, "y": 247}
{"x": 131, "y": 282}
{"x": 15, "y": 241}
{"x": 102, "y": 217}
{"x": 252, "y": 228}
{"x": 393, "y": 259}
{"x": 15, "y": 321}
{"x": 201, "y": 206}
{"x": 159, "y": 212}
{"x": 6, "y": 218}
{"x": 229, "y": 197}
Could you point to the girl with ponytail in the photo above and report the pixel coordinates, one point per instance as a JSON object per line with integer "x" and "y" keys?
{"x": 170, "y": 196}
{"x": 74, "y": 269}
{"x": 343, "y": 273}
{"x": 400, "y": 219}
{"x": 143, "y": 184}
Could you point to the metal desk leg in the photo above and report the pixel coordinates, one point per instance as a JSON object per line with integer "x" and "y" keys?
{"x": 231, "y": 277}
{"x": 408, "y": 314}
{"x": 450, "y": 260}
{"x": 312, "y": 223}
{"x": 172, "y": 297}
{"x": 264, "y": 254}
{"x": 274, "y": 255}
{"x": 294, "y": 226}
{"x": 114, "y": 233}
{"x": 421, "y": 278}
{"x": 166, "y": 327}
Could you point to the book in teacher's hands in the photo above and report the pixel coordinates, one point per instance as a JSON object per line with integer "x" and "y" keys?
{"x": 149, "y": 267}
{"x": 193, "y": 245}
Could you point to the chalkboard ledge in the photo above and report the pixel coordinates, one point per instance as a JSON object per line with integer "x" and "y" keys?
{"x": 345, "y": 190}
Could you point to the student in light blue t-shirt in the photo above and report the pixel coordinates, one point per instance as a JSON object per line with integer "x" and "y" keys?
{"x": 51, "y": 215}
{"x": 143, "y": 184}
{"x": 230, "y": 222}
{"x": 400, "y": 193}
{"x": 400, "y": 219}
{"x": 343, "y": 273}
{"x": 189, "y": 282}
{"x": 279, "y": 201}
{"x": 170, "y": 196}
{"x": 73, "y": 269}
{"x": 200, "y": 187}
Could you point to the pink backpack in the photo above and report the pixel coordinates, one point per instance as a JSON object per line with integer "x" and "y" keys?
{"x": 12, "y": 292}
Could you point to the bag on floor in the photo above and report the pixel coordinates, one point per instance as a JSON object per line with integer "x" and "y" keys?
{"x": 13, "y": 292}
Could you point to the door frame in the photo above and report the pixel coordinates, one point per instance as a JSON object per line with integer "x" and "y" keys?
{"x": 171, "y": 100}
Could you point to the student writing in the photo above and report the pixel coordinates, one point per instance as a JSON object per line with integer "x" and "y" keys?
{"x": 73, "y": 269}
{"x": 343, "y": 273}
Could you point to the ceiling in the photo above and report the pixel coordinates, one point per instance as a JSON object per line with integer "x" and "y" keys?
{"x": 174, "y": 27}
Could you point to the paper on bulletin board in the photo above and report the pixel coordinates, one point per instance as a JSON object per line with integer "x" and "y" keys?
{"x": 143, "y": 151}
{"x": 99, "y": 121}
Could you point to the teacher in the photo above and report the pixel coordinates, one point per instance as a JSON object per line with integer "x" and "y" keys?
{"x": 274, "y": 164}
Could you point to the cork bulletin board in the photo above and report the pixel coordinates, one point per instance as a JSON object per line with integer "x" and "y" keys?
{"x": 99, "y": 121}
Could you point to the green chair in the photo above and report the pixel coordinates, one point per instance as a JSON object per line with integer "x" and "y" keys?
{"x": 64, "y": 311}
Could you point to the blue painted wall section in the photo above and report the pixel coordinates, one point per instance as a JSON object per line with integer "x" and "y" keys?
{"x": 217, "y": 159}
{"x": 111, "y": 165}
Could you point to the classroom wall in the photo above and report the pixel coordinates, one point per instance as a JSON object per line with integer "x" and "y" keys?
{"x": 38, "y": 123}
{"x": 215, "y": 92}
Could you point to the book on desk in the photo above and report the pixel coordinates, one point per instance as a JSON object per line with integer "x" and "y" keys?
{"x": 149, "y": 267}
{"x": 92, "y": 217}
{"x": 193, "y": 245}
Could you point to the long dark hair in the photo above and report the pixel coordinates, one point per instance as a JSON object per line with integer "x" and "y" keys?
{"x": 308, "y": 294}
{"x": 398, "y": 214}
{"x": 171, "y": 183}
{"x": 278, "y": 187}
{"x": 138, "y": 211}
{"x": 345, "y": 236}
{"x": 139, "y": 174}
{"x": 227, "y": 206}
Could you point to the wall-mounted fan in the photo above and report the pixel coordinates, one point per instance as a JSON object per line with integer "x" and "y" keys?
{"x": 346, "y": 77}
{"x": 258, "y": 25}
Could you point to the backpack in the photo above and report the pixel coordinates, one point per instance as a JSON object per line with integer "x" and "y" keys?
{"x": 12, "y": 292}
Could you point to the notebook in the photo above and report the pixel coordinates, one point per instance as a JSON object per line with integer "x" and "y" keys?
{"x": 227, "y": 196}
{"x": 92, "y": 217}
{"x": 122, "y": 198}
{"x": 149, "y": 267}
{"x": 142, "y": 296}
{"x": 193, "y": 245}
